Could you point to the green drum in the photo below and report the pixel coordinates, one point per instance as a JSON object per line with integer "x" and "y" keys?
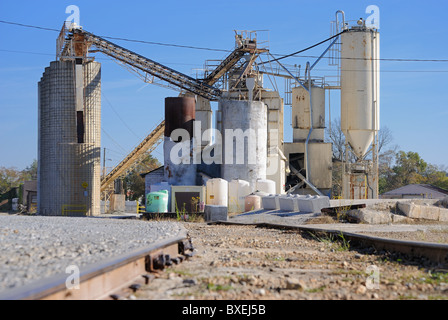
{"x": 157, "y": 202}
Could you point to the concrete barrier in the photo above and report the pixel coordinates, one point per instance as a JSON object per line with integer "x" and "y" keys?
{"x": 271, "y": 202}
{"x": 416, "y": 211}
{"x": 289, "y": 203}
{"x": 216, "y": 213}
{"x": 313, "y": 204}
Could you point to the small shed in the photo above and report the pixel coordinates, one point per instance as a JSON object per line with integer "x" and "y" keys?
{"x": 153, "y": 177}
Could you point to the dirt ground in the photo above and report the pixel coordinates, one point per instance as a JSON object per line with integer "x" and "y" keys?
{"x": 249, "y": 263}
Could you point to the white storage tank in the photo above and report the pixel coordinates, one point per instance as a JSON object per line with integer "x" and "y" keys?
{"x": 360, "y": 102}
{"x": 301, "y": 118}
{"x": 245, "y": 138}
{"x": 217, "y": 192}
{"x": 266, "y": 186}
{"x": 238, "y": 191}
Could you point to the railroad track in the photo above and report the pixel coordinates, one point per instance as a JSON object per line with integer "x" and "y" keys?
{"x": 434, "y": 252}
{"x": 117, "y": 277}
{"x": 107, "y": 279}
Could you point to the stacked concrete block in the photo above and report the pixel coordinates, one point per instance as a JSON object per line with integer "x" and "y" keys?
{"x": 216, "y": 213}
{"x": 415, "y": 211}
{"x": 313, "y": 204}
{"x": 289, "y": 203}
{"x": 271, "y": 202}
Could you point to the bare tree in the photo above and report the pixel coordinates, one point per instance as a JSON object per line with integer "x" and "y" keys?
{"x": 337, "y": 138}
{"x": 387, "y": 156}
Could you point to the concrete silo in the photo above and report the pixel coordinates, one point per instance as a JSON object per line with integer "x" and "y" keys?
{"x": 70, "y": 139}
{"x": 244, "y": 135}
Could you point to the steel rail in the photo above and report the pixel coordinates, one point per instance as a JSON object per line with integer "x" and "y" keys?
{"x": 98, "y": 281}
{"x": 435, "y": 252}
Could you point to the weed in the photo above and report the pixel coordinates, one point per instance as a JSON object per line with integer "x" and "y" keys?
{"x": 274, "y": 258}
{"x": 436, "y": 278}
{"x": 316, "y": 290}
{"x": 338, "y": 243}
{"x": 218, "y": 287}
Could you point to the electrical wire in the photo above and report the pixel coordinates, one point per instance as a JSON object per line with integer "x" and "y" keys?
{"x": 122, "y": 39}
{"x": 119, "y": 117}
{"x": 112, "y": 139}
{"x": 326, "y": 70}
{"x": 282, "y": 56}
{"x": 28, "y": 26}
{"x": 306, "y": 49}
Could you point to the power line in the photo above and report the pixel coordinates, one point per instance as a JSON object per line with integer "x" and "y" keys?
{"x": 122, "y": 39}
{"x": 28, "y": 26}
{"x": 282, "y": 56}
{"x": 306, "y": 49}
{"x": 118, "y": 115}
{"x": 379, "y": 59}
{"x": 189, "y": 64}
{"x": 166, "y": 44}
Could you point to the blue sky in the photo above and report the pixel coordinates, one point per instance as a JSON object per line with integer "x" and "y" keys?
{"x": 414, "y": 98}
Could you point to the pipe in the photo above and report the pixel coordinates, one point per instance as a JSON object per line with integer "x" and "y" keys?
{"x": 325, "y": 52}
{"x": 308, "y": 74}
{"x": 337, "y": 20}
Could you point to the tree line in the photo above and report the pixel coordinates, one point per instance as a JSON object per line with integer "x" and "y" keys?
{"x": 397, "y": 168}
{"x": 11, "y": 178}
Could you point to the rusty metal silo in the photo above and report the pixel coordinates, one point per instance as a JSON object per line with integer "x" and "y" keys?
{"x": 180, "y": 113}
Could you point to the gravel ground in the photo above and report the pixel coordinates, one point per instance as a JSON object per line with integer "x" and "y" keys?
{"x": 34, "y": 248}
{"x": 248, "y": 263}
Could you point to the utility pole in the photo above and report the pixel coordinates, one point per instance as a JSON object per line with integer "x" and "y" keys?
{"x": 104, "y": 163}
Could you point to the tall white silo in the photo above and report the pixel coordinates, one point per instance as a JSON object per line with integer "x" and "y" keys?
{"x": 360, "y": 90}
{"x": 360, "y": 109}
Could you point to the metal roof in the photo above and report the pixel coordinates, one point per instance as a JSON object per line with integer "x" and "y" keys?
{"x": 419, "y": 189}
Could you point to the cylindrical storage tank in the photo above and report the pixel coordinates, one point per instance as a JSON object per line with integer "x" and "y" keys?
{"x": 301, "y": 117}
{"x": 157, "y": 202}
{"x": 69, "y": 140}
{"x": 217, "y": 192}
{"x": 360, "y": 103}
{"x": 180, "y": 113}
{"x": 178, "y": 151}
{"x": 244, "y": 140}
{"x": 253, "y": 203}
{"x": 238, "y": 191}
{"x": 266, "y": 186}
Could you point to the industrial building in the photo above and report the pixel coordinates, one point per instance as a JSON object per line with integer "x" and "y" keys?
{"x": 244, "y": 150}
